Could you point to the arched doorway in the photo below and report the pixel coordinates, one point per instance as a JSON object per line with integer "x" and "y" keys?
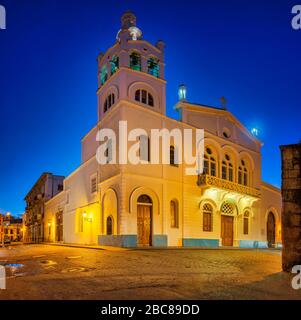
{"x": 144, "y": 220}
{"x": 227, "y": 224}
{"x": 271, "y": 234}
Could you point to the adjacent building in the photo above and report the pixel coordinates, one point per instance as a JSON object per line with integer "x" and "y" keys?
{"x": 11, "y": 229}
{"x": 47, "y": 186}
{"x": 147, "y": 204}
{"x": 291, "y": 213}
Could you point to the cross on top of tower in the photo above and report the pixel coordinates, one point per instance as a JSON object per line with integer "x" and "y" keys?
{"x": 223, "y": 102}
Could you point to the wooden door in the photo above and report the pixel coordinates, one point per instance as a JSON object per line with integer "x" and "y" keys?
{"x": 144, "y": 225}
{"x": 271, "y": 230}
{"x": 59, "y": 226}
{"x": 227, "y": 231}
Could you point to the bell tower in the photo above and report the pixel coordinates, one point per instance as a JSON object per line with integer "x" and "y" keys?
{"x": 131, "y": 70}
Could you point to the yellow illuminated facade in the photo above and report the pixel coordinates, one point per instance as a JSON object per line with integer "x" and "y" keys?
{"x": 158, "y": 204}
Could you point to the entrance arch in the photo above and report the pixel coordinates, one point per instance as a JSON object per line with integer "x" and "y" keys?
{"x": 144, "y": 220}
{"x": 228, "y": 211}
{"x": 271, "y": 230}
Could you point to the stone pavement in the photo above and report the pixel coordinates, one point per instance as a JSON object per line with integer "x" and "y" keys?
{"x": 59, "y": 272}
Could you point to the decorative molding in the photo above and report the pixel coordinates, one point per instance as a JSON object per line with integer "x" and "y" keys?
{"x": 210, "y": 181}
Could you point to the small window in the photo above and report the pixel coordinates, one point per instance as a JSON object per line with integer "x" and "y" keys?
{"x": 246, "y": 223}
{"x": 209, "y": 151}
{"x": 227, "y": 208}
{"x": 207, "y": 217}
{"x": 135, "y": 61}
{"x": 109, "y": 151}
{"x": 109, "y": 225}
{"x": 60, "y": 187}
{"x": 209, "y": 163}
{"x": 114, "y": 64}
{"x": 153, "y": 67}
{"x": 94, "y": 184}
{"x": 243, "y": 176}
{"x": 104, "y": 75}
{"x": 150, "y": 100}
{"x": 144, "y": 198}
{"x": 174, "y": 214}
{"x": 227, "y": 169}
{"x": 240, "y": 175}
{"x": 173, "y": 156}
{"x": 144, "y": 97}
{"x": 206, "y": 165}
{"x": 226, "y": 133}
{"x": 224, "y": 171}
{"x": 109, "y": 102}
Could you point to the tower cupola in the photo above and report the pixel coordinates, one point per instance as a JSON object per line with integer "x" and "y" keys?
{"x": 129, "y": 29}
{"x": 128, "y": 20}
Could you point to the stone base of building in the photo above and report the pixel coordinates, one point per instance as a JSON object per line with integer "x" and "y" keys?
{"x": 253, "y": 244}
{"x": 200, "y": 242}
{"x": 130, "y": 241}
{"x": 161, "y": 241}
{"x": 124, "y": 241}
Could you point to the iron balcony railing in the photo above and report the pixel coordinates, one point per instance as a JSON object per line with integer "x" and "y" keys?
{"x": 211, "y": 181}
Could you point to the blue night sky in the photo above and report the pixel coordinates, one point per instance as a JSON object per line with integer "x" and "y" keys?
{"x": 246, "y": 51}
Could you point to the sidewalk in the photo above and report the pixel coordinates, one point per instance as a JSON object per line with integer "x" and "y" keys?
{"x": 110, "y": 248}
{"x": 83, "y": 246}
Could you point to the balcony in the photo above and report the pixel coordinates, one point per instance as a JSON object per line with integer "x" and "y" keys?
{"x": 210, "y": 181}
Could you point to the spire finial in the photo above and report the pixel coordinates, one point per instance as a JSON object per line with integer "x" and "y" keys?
{"x": 223, "y": 101}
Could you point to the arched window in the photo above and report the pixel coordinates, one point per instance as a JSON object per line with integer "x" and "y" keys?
{"x": 135, "y": 61}
{"x": 103, "y": 75}
{"x": 227, "y": 168}
{"x": 243, "y": 177}
{"x": 109, "y": 225}
{"x": 207, "y": 217}
{"x": 174, "y": 214}
{"x": 144, "y": 199}
{"x": 150, "y": 100}
{"x": 246, "y": 222}
{"x": 271, "y": 230}
{"x": 227, "y": 208}
{"x": 173, "y": 159}
{"x": 144, "y": 97}
{"x": 114, "y": 64}
{"x": 109, "y": 102}
{"x": 209, "y": 163}
{"x": 153, "y": 67}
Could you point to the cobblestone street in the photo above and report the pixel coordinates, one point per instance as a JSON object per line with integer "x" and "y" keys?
{"x": 56, "y": 272}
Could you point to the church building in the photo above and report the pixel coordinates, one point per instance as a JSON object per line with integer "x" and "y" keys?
{"x": 158, "y": 205}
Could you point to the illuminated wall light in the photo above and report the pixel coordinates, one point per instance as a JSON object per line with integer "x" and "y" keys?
{"x": 255, "y": 132}
{"x": 182, "y": 92}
